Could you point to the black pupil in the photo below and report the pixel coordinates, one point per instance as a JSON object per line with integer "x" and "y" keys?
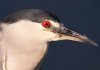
{"x": 47, "y": 24}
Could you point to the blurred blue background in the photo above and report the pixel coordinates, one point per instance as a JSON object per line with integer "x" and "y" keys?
{"x": 82, "y": 16}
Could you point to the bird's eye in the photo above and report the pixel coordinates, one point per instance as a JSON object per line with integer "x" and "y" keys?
{"x": 46, "y": 24}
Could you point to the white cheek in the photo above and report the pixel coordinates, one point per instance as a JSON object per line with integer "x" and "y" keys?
{"x": 25, "y": 31}
{"x": 22, "y": 30}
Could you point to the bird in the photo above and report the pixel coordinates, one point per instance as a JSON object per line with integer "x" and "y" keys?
{"x": 24, "y": 38}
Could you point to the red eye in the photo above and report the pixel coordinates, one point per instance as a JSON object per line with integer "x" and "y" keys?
{"x": 46, "y": 24}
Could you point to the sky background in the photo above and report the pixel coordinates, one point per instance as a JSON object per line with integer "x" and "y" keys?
{"x": 82, "y": 16}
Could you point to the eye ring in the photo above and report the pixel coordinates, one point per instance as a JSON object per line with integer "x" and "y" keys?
{"x": 46, "y": 24}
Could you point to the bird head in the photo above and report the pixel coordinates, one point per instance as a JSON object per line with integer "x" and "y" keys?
{"x": 39, "y": 25}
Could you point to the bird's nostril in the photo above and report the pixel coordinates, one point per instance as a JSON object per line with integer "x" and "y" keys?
{"x": 69, "y": 32}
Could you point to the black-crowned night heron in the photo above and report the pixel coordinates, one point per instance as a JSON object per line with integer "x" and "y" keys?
{"x": 24, "y": 36}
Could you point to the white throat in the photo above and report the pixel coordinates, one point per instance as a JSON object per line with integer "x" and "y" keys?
{"x": 22, "y": 59}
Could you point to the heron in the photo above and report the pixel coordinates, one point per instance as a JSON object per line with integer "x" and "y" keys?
{"x": 24, "y": 37}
